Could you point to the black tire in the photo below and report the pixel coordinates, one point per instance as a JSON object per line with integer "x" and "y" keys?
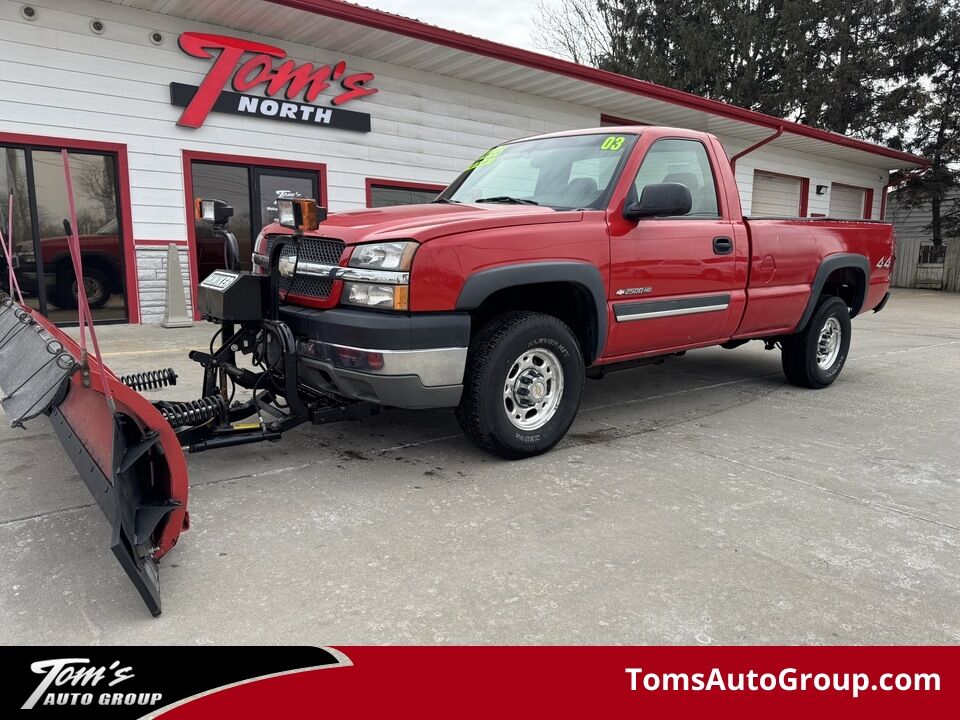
{"x": 496, "y": 351}
{"x": 800, "y": 351}
{"x": 64, "y": 294}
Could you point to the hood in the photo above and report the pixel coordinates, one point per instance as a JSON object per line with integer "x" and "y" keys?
{"x": 428, "y": 221}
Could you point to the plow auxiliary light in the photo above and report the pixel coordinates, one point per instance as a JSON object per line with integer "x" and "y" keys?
{"x": 213, "y": 211}
{"x": 301, "y": 214}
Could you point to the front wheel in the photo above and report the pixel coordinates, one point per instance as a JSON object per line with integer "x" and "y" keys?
{"x": 815, "y": 356}
{"x": 523, "y": 384}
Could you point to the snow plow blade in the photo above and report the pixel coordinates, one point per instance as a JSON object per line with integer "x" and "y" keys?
{"x": 130, "y": 459}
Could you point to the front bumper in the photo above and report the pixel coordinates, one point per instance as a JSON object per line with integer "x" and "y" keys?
{"x": 396, "y": 360}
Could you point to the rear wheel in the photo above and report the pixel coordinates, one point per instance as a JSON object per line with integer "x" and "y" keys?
{"x": 523, "y": 385}
{"x": 815, "y": 356}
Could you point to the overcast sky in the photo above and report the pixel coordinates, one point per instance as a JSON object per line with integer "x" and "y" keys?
{"x": 506, "y": 22}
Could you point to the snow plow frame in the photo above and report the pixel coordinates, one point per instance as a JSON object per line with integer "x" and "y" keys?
{"x": 130, "y": 460}
{"x": 129, "y": 450}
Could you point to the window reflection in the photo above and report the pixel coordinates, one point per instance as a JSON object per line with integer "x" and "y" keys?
{"x": 94, "y": 181}
{"x": 277, "y": 186}
{"x": 13, "y": 179}
{"x": 44, "y": 268}
{"x": 388, "y": 196}
{"x": 254, "y": 205}
{"x": 230, "y": 183}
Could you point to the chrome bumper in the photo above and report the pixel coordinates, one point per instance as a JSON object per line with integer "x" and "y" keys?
{"x": 429, "y": 378}
{"x": 435, "y": 366}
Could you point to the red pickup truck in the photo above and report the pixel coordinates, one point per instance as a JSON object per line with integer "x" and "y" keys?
{"x": 564, "y": 256}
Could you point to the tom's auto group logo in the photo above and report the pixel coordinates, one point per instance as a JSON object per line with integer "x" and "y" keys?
{"x": 75, "y": 681}
{"x": 124, "y": 683}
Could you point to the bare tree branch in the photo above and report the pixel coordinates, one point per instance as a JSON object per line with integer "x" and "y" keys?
{"x": 573, "y": 29}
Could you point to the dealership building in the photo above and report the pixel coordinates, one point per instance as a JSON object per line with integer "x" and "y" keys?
{"x": 160, "y": 101}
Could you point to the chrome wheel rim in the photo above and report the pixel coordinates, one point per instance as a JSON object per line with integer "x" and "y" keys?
{"x": 828, "y": 345}
{"x": 532, "y": 389}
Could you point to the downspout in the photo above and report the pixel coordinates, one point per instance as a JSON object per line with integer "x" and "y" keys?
{"x": 755, "y": 146}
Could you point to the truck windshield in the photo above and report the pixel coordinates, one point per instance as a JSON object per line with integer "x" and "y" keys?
{"x": 564, "y": 173}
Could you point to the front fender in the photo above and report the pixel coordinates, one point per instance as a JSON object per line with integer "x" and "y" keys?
{"x": 481, "y": 285}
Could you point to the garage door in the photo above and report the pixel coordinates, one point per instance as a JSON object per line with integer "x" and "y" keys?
{"x": 775, "y": 195}
{"x": 846, "y": 202}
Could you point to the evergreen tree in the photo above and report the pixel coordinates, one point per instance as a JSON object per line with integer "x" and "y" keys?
{"x": 882, "y": 70}
{"x": 936, "y": 134}
{"x": 833, "y": 64}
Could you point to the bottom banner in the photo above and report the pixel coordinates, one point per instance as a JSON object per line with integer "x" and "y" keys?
{"x": 190, "y": 683}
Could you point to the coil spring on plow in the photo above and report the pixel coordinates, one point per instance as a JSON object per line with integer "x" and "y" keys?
{"x": 150, "y": 380}
{"x": 193, "y": 412}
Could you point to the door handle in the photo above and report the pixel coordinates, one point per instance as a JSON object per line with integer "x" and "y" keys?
{"x": 722, "y": 245}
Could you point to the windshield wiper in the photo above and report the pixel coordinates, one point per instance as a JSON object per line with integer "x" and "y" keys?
{"x": 507, "y": 199}
{"x": 446, "y": 200}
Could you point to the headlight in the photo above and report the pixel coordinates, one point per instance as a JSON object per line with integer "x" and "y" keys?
{"x": 387, "y": 297}
{"x": 384, "y": 256}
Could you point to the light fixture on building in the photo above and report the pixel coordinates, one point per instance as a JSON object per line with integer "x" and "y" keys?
{"x": 28, "y": 12}
{"x": 97, "y": 27}
{"x": 156, "y": 38}
{"x": 821, "y": 189}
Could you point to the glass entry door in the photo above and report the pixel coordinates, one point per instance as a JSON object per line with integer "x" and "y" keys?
{"x": 44, "y": 269}
{"x": 252, "y": 191}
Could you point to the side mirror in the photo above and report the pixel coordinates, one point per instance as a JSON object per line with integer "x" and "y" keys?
{"x": 659, "y": 200}
{"x": 213, "y": 211}
{"x": 301, "y": 214}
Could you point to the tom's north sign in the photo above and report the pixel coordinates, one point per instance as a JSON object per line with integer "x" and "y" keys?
{"x": 289, "y": 90}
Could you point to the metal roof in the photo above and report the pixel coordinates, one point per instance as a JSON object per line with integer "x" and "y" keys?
{"x": 364, "y": 32}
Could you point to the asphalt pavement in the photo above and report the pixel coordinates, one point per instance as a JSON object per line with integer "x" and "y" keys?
{"x": 703, "y": 501}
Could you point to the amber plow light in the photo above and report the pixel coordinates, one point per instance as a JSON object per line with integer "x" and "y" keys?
{"x": 301, "y": 214}
{"x": 213, "y": 211}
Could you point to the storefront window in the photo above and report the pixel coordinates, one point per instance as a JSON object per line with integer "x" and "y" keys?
{"x": 13, "y": 180}
{"x": 252, "y": 191}
{"x": 390, "y": 195}
{"x": 45, "y": 271}
{"x": 229, "y": 183}
{"x": 273, "y": 186}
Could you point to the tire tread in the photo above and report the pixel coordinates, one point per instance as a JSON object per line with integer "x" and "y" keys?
{"x": 483, "y": 348}
{"x": 797, "y": 348}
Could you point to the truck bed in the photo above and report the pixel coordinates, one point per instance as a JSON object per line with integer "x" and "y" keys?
{"x": 785, "y": 257}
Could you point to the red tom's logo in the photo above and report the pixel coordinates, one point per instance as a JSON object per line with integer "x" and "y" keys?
{"x": 283, "y": 82}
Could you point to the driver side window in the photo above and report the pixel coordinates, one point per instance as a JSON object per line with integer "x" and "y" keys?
{"x": 685, "y": 162}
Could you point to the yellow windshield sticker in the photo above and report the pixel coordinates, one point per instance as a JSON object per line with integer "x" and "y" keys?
{"x": 488, "y": 157}
{"x": 612, "y": 143}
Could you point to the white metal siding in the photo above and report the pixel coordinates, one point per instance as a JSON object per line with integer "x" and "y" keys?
{"x": 846, "y": 203}
{"x": 819, "y": 171}
{"x": 775, "y": 195}
{"x": 59, "y": 79}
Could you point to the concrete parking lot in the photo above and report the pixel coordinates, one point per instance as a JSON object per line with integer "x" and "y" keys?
{"x": 701, "y": 501}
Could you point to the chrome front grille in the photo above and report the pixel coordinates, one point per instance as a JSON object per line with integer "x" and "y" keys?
{"x": 320, "y": 250}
